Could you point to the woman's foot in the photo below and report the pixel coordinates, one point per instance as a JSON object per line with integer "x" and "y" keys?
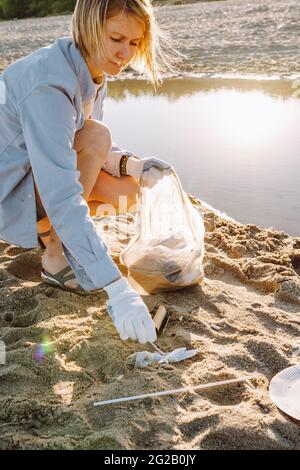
{"x": 54, "y": 263}
{"x": 53, "y": 258}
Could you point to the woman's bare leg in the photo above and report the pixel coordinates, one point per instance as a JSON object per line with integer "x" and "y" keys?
{"x": 121, "y": 192}
{"x": 108, "y": 190}
{"x": 90, "y": 158}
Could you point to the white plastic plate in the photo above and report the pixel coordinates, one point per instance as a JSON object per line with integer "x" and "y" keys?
{"x": 285, "y": 391}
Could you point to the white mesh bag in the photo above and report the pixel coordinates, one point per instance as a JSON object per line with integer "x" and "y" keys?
{"x": 166, "y": 252}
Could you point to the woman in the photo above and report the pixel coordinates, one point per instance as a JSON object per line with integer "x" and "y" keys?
{"x": 56, "y": 154}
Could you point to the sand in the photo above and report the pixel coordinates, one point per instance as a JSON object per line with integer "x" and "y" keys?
{"x": 251, "y": 291}
{"x": 260, "y": 37}
{"x": 243, "y": 318}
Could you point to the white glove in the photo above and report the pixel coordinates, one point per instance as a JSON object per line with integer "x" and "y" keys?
{"x": 129, "y": 313}
{"x": 135, "y": 167}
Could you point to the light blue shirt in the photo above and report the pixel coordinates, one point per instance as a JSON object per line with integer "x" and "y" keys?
{"x": 41, "y": 109}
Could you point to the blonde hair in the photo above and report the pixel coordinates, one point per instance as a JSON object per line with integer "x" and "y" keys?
{"x": 88, "y": 27}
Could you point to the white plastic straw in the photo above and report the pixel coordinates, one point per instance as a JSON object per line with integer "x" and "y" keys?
{"x": 177, "y": 390}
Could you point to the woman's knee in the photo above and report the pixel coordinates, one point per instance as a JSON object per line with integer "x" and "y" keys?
{"x": 94, "y": 138}
{"x": 101, "y": 135}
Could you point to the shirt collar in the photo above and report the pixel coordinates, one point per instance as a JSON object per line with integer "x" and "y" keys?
{"x": 86, "y": 84}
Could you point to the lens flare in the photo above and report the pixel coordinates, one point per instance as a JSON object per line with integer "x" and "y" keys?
{"x": 42, "y": 349}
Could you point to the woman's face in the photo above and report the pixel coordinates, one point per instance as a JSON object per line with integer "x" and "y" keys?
{"x": 124, "y": 33}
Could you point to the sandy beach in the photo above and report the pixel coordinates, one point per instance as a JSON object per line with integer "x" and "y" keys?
{"x": 217, "y": 38}
{"x": 244, "y": 318}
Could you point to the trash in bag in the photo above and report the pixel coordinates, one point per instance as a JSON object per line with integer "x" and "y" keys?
{"x": 167, "y": 250}
{"x": 145, "y": 358}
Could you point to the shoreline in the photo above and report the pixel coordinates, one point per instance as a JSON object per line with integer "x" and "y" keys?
{"x": 274, "y": 86}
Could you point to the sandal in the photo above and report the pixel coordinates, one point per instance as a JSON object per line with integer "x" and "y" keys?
{"x": 59, "y": 279}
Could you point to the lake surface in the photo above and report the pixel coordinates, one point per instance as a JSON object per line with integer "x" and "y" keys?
{"x": 234, "y": 145}
{"x": 230, "y": 124}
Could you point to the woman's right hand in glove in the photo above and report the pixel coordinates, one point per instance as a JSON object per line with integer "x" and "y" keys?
{"x": 129, "y": 313}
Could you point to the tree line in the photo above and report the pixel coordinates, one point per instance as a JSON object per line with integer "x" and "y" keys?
{"x": 10, "y": 9}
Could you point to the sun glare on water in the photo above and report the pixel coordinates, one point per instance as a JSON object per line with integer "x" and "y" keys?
{"x": 246, "y": 118}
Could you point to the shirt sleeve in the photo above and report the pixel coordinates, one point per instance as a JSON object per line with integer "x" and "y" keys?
{"x": 112, "y": 163}
{"x": 48, "y": 120}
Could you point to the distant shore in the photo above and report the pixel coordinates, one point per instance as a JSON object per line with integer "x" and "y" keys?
{"x": 216, "y": 38}
{"x": 158, "y": 2}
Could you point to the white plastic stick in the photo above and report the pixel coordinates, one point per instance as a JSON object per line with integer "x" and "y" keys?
{"x": 177, "y": 390}
{"x": 157, "y": 349}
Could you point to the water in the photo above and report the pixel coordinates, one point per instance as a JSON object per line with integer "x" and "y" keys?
{"x": 232, "y": 132}
{"x": 237, "y": 148}
{"x": 234, "y": 142}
